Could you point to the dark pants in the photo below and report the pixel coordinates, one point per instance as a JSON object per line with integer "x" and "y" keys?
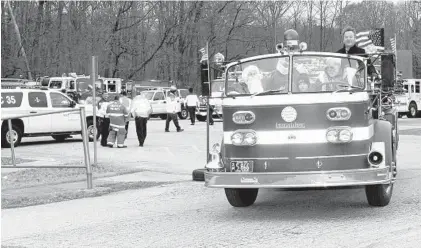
{"x": 192, "y": 113}
{"x": 141, "y": 129}
{"x": 127, "y": 128}
{"x": 210, "y": 115}
{"x": 174, "y": 118}
{"x": 105, "y": 129}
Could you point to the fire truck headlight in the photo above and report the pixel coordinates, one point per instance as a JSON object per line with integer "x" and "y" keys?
{"x": 339, "y": 135}
{"x": 332, "y": 136}
{"x": 250, "y": 139}
{"x": 338, "y": 114}
{"x": 345, "y": 135}
{"x": 244, "y": 138}
{"x": 237, "y": 139}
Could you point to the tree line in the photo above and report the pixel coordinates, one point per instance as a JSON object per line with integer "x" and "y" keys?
{"x": 137, "y": 40}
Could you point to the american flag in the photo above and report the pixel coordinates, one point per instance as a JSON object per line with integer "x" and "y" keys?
{"x": 371, "y": 40}
{"x": 393, "y": 44}
{"x": 204, "y": 54}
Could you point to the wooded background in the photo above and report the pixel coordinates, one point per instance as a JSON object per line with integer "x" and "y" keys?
{"x": 161, "y": 39}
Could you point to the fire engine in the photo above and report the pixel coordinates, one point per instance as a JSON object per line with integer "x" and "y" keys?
{"x": 302, "y": 119}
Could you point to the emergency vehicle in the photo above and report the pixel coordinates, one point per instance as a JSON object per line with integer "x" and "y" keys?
{"x": 290, "y": 125}
{"x": 409, "y": 103}
{"x": 30, "y": 100}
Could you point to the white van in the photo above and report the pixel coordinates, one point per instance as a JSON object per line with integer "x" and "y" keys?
{"x": 409, "y": 103}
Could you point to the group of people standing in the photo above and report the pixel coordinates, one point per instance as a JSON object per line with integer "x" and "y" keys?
{"x": 114, "y": 116}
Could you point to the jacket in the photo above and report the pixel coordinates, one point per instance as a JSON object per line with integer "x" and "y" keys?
{"x": 126, "y": 102}
{"x": 140, "y": 107}
{"x": 172, "y": 105}
{"x": 118, "y": 114}
{"x": 360, "y": 52}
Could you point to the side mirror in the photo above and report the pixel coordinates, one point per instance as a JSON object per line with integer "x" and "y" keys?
{"x": 72, "y": 104}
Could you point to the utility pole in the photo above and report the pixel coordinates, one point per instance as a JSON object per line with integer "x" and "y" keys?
{"x": 19, "y": 40}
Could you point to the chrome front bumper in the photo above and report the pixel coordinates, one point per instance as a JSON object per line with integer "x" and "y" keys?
{"x": 309, "y": 179}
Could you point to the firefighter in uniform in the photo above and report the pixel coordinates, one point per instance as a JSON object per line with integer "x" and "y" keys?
{"x": 118, "y": 116}
{"x": 126, "y": 103}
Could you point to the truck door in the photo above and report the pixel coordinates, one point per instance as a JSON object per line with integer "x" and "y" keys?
{"x": 63, "y": 122}
{"x": 38, "y": 103}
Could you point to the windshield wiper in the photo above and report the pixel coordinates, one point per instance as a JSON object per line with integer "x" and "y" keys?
{"x": 267, "y": 92}
{"x": 347, "y": 86}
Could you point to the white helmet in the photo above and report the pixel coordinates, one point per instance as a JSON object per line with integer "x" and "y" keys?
{"x": 173, "y": 88}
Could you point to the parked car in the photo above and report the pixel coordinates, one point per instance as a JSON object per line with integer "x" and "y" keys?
{"x": 16, "y": 102}
{"x": 158, "y": 100}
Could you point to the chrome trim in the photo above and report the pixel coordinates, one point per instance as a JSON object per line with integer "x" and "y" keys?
{"x": 304, "y": 179}
{"x": 334, "y": 156}
{"x": 259, "y": 158}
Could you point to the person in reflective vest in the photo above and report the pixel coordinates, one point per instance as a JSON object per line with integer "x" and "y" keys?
{"x": 126, "y": 103}
{"x": 118, "y": 115}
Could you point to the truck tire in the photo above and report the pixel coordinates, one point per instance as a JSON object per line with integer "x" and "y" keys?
{"x": 380, "y": 195}
{"x": 60, "y": 138}
{"x": 183, "y": 114}
{"x": 241, "y": 197}
{"x": 199, "y": 175}
{"x": 89, "y": 129}
{"x": 413, "y": 110}
{"x": 201, "y": 118}
{"x": 5, "y": 141}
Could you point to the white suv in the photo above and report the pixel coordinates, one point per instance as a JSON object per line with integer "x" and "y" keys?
{"x": 16, "y": 102}
{"x": 158, "y": 100}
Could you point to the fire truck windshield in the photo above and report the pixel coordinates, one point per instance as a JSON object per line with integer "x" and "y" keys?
{"x": 310, "y": 73}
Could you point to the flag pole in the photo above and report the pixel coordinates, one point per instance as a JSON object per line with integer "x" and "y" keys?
{"x": 396, "y": 56}
{"x": 208, "y": 103}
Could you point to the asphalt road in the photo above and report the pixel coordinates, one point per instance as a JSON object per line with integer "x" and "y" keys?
{"x": 187, "y": 214}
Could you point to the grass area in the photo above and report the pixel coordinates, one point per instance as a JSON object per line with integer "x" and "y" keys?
{"x": 43, "y": 176}
{"x": 8, "y": 160}
{"x": 31, "y": 187}
{"x": 60, "y": 194}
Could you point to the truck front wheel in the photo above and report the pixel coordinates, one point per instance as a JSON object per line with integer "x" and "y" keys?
{"x": 413, "y": 110}
{"x": 241, "y": 197}
{"x": 201, "y": 118}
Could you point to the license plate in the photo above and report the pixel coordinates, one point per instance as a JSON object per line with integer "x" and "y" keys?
{"x": 241, "y": 166}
